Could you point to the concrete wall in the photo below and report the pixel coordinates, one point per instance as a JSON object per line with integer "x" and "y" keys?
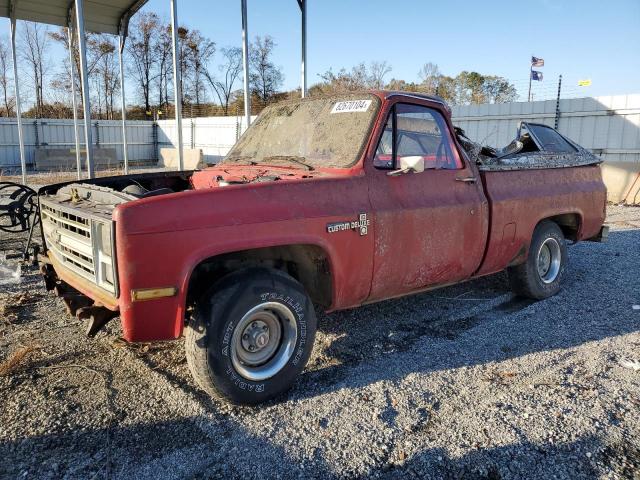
{"x": 192, "y": 158}
{"x": 213, "y": 135}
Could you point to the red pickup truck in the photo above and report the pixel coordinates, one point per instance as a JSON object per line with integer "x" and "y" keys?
{"x": 333, "y": 201}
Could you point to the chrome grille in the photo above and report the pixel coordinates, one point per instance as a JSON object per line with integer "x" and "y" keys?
{"x": 78, "y": 243}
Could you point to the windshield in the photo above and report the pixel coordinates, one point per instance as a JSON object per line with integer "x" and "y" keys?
{"x": 322, "y": 132}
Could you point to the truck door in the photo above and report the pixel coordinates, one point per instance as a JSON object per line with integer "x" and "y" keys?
{"x": 430, "y": 227}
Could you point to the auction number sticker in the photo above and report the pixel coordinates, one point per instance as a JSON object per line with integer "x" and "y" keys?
{"x": 351, "y": 106}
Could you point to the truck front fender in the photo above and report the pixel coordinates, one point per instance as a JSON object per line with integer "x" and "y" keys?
{"x": 169, "y": 259}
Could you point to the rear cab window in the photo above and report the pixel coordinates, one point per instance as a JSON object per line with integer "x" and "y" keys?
{"x": 548, "y": 139}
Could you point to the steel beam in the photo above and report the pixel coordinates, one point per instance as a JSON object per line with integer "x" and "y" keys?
{"x": 245, "y": 65}
{"x": 177, "y": 81}
{"x": 123, "y": 33}
{"x": 84, "y": 77}
{"x": 123, "y": 27}
{"x": 74, "y": 104}
{"x": 303, "y": 68}
{"x": 23, "y": 161}
{"x": 123, "y": 104}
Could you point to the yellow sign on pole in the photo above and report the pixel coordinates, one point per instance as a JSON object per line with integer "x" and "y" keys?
{"x": 584, "y": 83}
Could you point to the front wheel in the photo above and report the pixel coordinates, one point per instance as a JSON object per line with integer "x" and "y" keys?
{"x": 251, "y": 336}
{"x": 541, "y": 275}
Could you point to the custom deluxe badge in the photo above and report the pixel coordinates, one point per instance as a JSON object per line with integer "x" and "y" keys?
{"x": 362, "y": 225}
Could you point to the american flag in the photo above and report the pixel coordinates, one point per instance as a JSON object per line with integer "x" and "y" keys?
{"x": 536, "y": 75}
{"x": 537, "y": 62}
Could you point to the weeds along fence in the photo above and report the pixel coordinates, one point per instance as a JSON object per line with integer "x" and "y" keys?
{"x": 609, "y": 126}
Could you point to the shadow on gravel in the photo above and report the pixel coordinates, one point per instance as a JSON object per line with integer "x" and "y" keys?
{"x": 171, "y": 449}
{"x": 457, "y": 331}
{"x": 573, "y": 460}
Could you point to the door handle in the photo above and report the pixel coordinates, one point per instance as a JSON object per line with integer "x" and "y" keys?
{"x": 466, "y": 179}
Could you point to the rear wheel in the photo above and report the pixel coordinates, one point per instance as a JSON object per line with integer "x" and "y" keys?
{"x": 541, "y": 275}
{"x": 251, "y": 336}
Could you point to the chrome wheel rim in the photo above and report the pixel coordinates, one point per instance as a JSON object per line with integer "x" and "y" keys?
{"x": 263, "y": 341}
{"x": 548, "y": 260}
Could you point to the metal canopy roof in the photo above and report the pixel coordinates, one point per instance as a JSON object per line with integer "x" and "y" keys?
{"x": 113, "y": 16}
{"x": 101, "y": 16}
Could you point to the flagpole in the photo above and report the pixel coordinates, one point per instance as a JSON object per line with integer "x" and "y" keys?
{"x": 530, "y": 74}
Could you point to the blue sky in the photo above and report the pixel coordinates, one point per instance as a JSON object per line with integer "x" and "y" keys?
{"x": 583, "y": 39}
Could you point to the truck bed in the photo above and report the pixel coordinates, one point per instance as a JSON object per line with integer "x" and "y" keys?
{"x": 518, "y": 198}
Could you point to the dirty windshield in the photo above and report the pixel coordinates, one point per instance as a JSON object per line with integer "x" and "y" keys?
{"x": 309, "y": 134}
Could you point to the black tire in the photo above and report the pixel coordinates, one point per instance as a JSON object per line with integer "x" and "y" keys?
{"x": 527, "y": 279}
{"x": 212, "y": 343}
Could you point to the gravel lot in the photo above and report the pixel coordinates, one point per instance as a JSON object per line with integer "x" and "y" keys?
{"x": 464, "y": 382}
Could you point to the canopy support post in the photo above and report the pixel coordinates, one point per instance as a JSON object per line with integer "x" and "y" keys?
{"x": 123, "y": 105}
{"x": 74, "y": 104}
{"x": 177, "y": 82}
{"x": 245, "y": 65}
{"x": 23, "y": 161}
{"x": 303, "y": 68}
{"x": 86, "y": 102}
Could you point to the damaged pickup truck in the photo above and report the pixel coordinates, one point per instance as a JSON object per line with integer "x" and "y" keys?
{"x": 332, "y": 202}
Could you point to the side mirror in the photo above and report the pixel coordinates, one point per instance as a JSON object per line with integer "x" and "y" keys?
{"x": 413, "y": 164}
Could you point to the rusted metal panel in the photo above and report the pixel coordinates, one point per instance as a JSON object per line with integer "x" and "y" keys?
{"x": 430, "y": 228}
{"x": 209, "y": 222}
{"x": 524, "y": 197}
{"x": 84, "y": 286}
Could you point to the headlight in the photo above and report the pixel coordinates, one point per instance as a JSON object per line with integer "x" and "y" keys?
{"x": 104, "y": 258}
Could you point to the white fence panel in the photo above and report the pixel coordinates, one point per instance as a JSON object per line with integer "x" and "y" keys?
{"x": 53, "y": 133}
{"x": 609, "y": 126}
{"x": 214, "y": 135}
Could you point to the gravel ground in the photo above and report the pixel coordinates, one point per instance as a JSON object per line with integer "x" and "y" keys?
{"x": 464, "y": 382}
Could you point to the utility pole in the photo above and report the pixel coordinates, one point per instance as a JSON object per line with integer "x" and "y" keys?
{"x": 245, "y": 64}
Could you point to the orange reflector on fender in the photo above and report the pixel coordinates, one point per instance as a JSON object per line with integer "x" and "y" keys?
{"x": 141, "y": 294}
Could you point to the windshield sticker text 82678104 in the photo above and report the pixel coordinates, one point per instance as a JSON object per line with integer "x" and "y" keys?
{"x": 351, "y": 106}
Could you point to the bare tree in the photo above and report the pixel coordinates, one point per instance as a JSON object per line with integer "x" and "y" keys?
{"x": 377, "y": 72}
{"x": 98, "y": 68}
{"x": 107, "y": 76}
{"x": 184, "y": 62}
{"x": 229, "y": 71}
{"x": 164, "y": 51}
{"x": 201, "y": 49}
{"x": 144, "y": 54}
{"x": 431, "y": 77}
{"x": 265, "y": 77}
{"x": 344, "y": 81}
{"x": 34, "y": 52}
{"x": 5, "y": 81}
{"x": 499, "y": 90}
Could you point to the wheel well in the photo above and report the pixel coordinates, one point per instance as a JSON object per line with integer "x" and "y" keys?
{"x": 569, "y": 223}
{"x": 308, "y": 264}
